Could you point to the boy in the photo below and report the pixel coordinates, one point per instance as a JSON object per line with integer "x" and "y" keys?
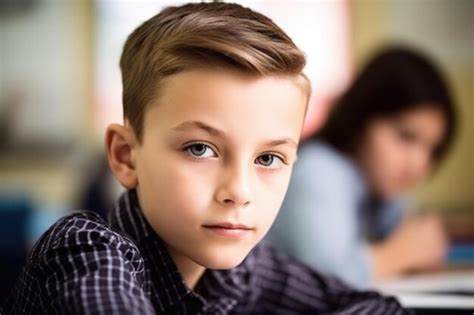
{"x": 214, "y": 100}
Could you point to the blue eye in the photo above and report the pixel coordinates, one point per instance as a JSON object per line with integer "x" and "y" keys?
{"x": 269, "y": 160}
{"x": 200, "y": 150}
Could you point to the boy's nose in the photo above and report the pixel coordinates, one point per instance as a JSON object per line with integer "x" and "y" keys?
{"x": 234, "y": 189}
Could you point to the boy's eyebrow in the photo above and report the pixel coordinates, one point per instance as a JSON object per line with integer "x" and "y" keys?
{"x": 198, "y": 124}
{"x": 283, "y": 141}
{"x": 217, "y": 132}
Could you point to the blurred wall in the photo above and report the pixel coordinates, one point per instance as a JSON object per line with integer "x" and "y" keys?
{"x": 442, "y": 28}
{"x": 445, "y": 30}
{"x": 45, "y": 98}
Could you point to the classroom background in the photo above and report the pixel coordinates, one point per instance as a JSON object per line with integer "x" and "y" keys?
{"x": 60, "y": 86}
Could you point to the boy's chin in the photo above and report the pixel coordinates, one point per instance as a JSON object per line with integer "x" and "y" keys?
{"x": 223, "y": 260}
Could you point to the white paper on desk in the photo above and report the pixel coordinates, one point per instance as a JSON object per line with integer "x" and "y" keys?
{"x": 436, "y": 301}
{"x": 459, "y": 281}
{"x": 442, "y": 290}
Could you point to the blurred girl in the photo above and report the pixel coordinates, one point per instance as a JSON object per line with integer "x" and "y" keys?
{"x": 343, "y": 210}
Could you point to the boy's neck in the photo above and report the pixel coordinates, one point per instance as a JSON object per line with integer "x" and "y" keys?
{"x": 190, "y": 271}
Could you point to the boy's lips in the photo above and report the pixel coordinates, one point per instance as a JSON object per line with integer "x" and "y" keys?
{"x": 227, "y": 225}
{"x": 229, "y": 230}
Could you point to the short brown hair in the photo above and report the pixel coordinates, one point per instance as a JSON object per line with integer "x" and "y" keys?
{"x": 201, "y": 35}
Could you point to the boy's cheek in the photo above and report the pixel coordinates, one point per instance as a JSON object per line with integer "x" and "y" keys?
{"x": 276, "y": 184}
{"x": 276, "y": 199}
{"x": 269, "y": 203}
{"x": 190, "y": 186}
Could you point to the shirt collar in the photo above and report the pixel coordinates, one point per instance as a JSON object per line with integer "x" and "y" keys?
{"x": 218, "y": 289}
{"x": 224, "y": 289}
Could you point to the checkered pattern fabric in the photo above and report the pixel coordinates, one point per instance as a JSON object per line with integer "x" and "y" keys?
{"x": 84, "y": 265}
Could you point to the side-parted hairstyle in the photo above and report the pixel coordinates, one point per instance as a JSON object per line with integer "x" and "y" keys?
{"x": 396, "y": 80}
{"x": 202, "y": 36}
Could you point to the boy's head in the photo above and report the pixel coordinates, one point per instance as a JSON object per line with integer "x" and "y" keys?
{"x": 214, "y": 101}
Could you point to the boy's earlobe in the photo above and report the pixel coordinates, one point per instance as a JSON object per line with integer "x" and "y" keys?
{"x": 120, "y": 145}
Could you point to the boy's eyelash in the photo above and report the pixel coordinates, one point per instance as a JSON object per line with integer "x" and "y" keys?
{"x": 191, "y": 143}
{"x": 277, "y": 155}
{"x": 186, "y": 147}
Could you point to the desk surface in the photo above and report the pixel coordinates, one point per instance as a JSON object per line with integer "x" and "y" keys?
{"x": 451, "y": 289}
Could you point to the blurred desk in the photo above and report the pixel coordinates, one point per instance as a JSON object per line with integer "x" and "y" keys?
{"x": 445, "y": 292}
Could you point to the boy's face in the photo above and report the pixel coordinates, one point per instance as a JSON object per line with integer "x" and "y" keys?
{"x": 215, "y": 162}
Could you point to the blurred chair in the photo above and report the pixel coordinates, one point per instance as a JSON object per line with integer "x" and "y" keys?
{"x": 14, "y": 216}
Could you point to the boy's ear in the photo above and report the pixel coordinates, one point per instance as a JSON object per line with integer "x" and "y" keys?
{"x": 120, "y": 145}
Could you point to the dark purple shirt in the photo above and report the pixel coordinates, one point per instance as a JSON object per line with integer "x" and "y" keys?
{"x": 84, "y": 265}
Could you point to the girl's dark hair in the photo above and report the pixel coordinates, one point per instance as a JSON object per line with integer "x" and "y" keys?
{"x": 396, "y": 80}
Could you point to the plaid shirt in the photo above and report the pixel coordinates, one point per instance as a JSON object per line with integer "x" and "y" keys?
{"x": 82, "y": 265}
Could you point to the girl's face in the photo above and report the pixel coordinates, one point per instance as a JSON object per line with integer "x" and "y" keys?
{"x": 396, "y": 152}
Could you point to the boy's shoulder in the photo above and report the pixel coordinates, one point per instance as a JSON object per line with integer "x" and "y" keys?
{"x": 79, "y": 250}
{"x": 79, "y": 229}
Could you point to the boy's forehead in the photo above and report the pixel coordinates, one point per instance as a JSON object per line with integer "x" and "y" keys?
{"x": 229, "y": 101}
